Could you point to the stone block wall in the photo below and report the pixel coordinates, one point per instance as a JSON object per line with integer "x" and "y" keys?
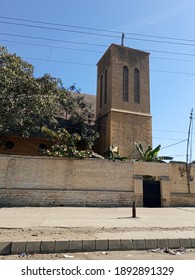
{"x": 44, "y": 181}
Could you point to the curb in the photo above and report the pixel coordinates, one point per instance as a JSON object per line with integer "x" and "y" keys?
{"x": 63, "y": 246}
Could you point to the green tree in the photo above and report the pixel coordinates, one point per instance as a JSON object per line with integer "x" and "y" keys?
{"x": 65, "y": 144}
{"x": 27, "y": 104}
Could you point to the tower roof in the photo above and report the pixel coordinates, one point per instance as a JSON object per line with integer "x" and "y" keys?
{"x": 117, "y": 47}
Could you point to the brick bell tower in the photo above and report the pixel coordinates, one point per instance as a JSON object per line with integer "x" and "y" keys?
{"x": 123, "y": 100}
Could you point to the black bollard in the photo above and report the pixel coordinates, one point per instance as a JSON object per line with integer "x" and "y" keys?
{"x": 133, "y": 210}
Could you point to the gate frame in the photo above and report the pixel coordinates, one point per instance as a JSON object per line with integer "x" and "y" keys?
{"x": 164, "y": 188}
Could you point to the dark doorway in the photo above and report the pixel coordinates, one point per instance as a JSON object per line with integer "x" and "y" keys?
{"x": 151, "y": 193}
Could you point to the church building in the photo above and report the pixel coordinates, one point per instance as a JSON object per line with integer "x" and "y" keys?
{"x": 123, "y": 100}
{"x": 122, "y": 106}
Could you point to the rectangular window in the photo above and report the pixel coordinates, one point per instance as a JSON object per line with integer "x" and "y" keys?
{"x": 105, "y": 87}
{"x": 101, "y": 90}
{"x": 125, "y": 83}
{"x": 136, "y": 86}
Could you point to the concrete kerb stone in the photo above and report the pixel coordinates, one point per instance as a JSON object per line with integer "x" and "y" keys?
{"x": 192, "y": 242}
{"x": 75, "y": 245}
{"x": 114, "y": 245}
{"x": 89, "y": 245}
{"x": 33, "y": 247}
{"x": 102, "y": 245}
{"x": 61, "y": 246}
{"x": 47, "y": 247}
{"x": 5, "y": 248}
{"x": 174, "y": 243}
{"x": 162, "y": 243}
{"x": 151, "y": 244}
{"x": 38, "y": 247}
{"x": 185, "y": 243}
{"x": 18, "y": 247}
{"x": 139, "y": 244}
{"x": 126, "y": 244}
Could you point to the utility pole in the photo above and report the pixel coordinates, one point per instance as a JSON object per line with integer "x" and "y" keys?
{"x": 189, "y": 147}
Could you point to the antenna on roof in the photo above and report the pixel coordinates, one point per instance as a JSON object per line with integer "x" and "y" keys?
{"x": 122, "y": 39}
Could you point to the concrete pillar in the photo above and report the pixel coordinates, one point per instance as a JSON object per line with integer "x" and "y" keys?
{"x": 165, "y": 191}
{"x": 138, "y": 189}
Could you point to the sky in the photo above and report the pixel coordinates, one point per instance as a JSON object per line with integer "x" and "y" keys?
{"x": 66, "y": 38}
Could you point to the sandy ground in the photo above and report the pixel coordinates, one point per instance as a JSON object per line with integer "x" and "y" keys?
{"x": 114, "y": 255}
{"x": 78, "y": 233}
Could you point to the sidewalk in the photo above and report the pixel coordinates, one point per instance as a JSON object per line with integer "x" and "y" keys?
{"x": 83, "y": 229}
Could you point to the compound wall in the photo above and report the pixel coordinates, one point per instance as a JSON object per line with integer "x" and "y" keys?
{"x": 44, "y": 181}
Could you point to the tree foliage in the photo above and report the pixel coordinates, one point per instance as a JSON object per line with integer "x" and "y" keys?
{"x": 112, "y": 153}
{"x": 65, "y": 144}
{"x": 149, "y": 154}
{"x": 27, "y": 104}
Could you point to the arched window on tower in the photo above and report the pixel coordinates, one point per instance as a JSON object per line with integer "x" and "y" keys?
{"x": 136, "y": 86}
{"x": 101, "y": 90}
{"x": 125, "y": 83}
{"x": 105, "y": 87}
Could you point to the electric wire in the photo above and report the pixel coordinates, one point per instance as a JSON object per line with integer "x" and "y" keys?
{"x": 98, "y": 34}
{"x": 177, "y": 143}
{"x": 85, "y": 43}
{"x": 84, "y": 64}
{"x": 58, "y": 29}
{"x": 50, "y": 39}
{"x": 98, "y": 29}
{"x": 87, "y": 50}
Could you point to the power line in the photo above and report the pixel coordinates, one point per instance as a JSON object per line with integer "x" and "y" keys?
{"x": 49, "y": 39}
{"x": 84, "y": 50}
{"x": 173, "y": 72}
{"x": 81, "y": 63}
{"x": 60, "y": 61}
{"x": 171, "y": 139}
{"x": 175, "y": 53}
{"x": 162, "y": 42}
{"x": 98, "y": 29}
{"x": 89, "y": 44}
{"x": 51, "y": 46}
{"x": 68, "y": 62}
{"x": 170, "y": 131}
{"x": 98, "y": 34}
{"x": 62, "y": 25}
{"x": 174, "y": 144}
{"x": 58, "y": 29}
{"x": 172, "y": 59}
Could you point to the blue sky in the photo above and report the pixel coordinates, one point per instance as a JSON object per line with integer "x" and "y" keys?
{"x": 164, "y": 28}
